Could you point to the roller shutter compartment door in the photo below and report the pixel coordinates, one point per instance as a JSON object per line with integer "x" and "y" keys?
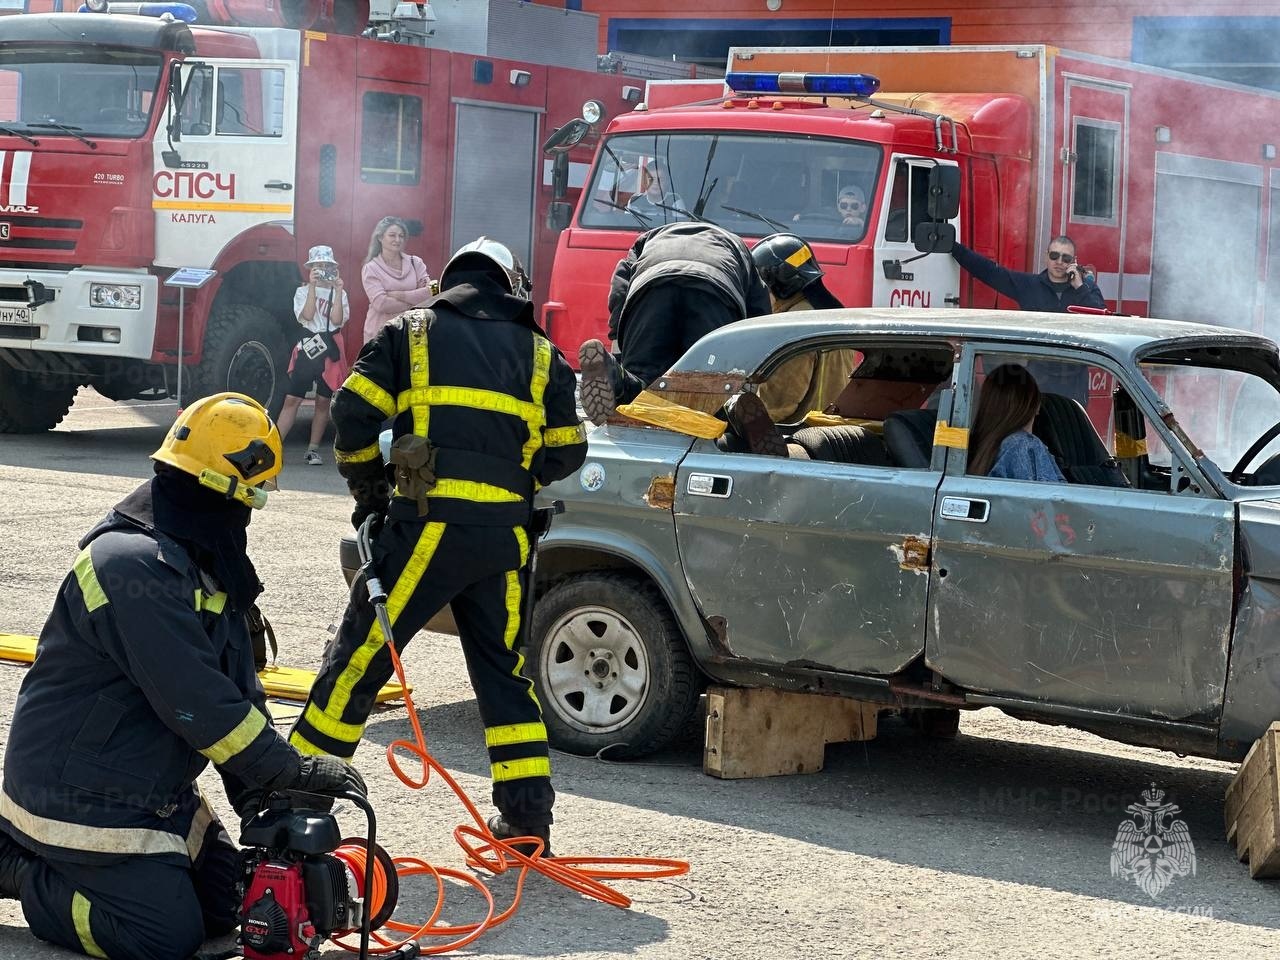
{"x": 494, "y": 166}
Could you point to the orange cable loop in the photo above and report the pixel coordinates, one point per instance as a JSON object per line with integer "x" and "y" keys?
{"x": 581, "y": 874}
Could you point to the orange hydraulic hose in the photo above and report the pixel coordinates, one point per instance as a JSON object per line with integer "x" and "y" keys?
{"x": 582, "y": 874}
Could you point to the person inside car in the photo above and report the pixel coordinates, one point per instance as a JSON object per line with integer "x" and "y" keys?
{"x": 1001, "y": 442}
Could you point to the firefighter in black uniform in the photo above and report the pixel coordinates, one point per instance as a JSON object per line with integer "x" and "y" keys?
{"x": 484, "y": 414}
{"x": 144, "y": 674}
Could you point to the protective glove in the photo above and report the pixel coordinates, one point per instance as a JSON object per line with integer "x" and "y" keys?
{"x": 378, "y": 513}
{"x": 327, "y": 775}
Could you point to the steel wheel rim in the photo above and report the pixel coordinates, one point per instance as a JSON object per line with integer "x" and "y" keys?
{"x": 595, "y": 670}
{"x": 252, "y": 367}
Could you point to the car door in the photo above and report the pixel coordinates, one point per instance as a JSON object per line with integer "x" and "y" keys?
{"x": 807, "y": 562}
{"x": 1091, "y": 597}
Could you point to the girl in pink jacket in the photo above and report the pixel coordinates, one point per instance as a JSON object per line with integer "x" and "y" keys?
{"x": 393, "y": 280}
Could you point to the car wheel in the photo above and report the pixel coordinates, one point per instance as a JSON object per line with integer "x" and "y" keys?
{"x": 611, "y": 667}
{"x": 245, "y": 351}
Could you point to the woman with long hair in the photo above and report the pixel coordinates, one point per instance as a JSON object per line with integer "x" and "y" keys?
{"x": 1001, "y": 443}
{"x": 394, "y": 281}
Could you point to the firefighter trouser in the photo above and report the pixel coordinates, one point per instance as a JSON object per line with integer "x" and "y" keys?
{"x": 423, "y": 566}
{"x": 137, "y": 909}
{"x": 660, "y": 325}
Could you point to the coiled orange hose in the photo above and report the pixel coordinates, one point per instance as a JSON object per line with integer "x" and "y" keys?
{"x": 582, "y": 874}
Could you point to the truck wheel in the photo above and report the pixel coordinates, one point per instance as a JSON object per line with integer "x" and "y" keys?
{"x": 245, "y": 351}
{"x": 611, "y": 667}
{"x": 32, "y": 404}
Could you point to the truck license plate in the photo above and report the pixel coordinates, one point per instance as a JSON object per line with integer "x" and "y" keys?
{"x": 15, "y": 314}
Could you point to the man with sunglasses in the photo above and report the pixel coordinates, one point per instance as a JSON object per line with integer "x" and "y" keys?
{"x": 1061, "y": 284}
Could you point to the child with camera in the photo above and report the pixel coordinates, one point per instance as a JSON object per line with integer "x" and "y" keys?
{"x": 318, "y": 358}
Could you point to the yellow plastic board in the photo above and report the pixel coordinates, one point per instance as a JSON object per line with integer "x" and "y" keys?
{"x": 286, "y": 683}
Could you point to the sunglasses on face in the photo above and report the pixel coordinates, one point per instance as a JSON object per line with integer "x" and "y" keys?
{"x": 851, "y": 204}
{"x": 1066, "y": 258}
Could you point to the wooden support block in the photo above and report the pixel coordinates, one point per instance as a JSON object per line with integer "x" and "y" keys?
{"x": 1252, "y": 809}
{"x": 758, "y": 732}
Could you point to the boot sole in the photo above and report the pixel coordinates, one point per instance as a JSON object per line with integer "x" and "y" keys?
{"x": 595, "y": 390}
{"x": 751, "y": 419}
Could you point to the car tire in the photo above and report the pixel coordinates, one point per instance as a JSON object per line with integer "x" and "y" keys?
{"x": 33, "y": 404}
{"x": 245, "y": 351}
{"x": 936, "y": 724}
{"x": 611, "y": 667}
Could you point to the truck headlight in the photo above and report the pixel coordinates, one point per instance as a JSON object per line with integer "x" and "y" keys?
{"x": 115, "y": 296}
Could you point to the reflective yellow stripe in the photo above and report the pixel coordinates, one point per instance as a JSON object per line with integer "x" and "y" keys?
{"x": 303, "y": 745}
{"x": 522, "y": 539}
{"x": 80, "y": 917}
{"x": 419, "y": 373}
{"x": 240, "y": 737}
{"x": 491, "y": 401}
{"x": 537, "y": 390}
{"x": 371, "y": 393}
{"x": 214, "y": 603}
{"x": 803, "y": 255}
{"x": 200, "y": 823}
{"x": 514, "y": 733}
{"x": 1127, "y": 447}
{"x": 513, "y": 608}
{"x": 87, "y": 577}
{"x": 329, "y": 720}
{"x": 944, "y": 436}
{"x": 371, "y": 452}
{"x": 76, "y": 836}
{"x": 564, "y": 436}
{"x": 474, "y": 491}
{"x": 520, "y": 769}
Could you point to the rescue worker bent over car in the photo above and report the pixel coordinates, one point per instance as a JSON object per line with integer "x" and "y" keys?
{"x": 145, "y": 674}
{"x": 484, "y": 414}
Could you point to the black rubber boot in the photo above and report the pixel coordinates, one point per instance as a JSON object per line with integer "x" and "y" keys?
{"x": 499, "y": 827}
{"x": 15, "y": 864}
{"x": 598, "y": 389}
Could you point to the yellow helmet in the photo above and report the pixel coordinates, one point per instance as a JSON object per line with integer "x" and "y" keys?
{"x": 228, "y": 442}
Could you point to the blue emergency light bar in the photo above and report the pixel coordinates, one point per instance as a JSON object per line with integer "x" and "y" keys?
{"x": 179, "y": 11}
{"x": 813, "y": 84}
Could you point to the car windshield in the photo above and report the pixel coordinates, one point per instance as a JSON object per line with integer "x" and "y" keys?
{"x": 68, "y": 89}
{"x": 752, "y": 184}
{"x": 1224, "y": 401}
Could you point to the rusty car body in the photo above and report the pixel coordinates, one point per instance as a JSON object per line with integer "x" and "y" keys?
{"x": 1140, "y": 600}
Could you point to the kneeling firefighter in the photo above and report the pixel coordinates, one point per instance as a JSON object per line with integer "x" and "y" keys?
{"x": 144, "y": 675}
{"x": 484, "y": 414}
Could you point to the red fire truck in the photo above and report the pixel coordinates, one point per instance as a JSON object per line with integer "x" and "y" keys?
{"x": 1168, "y": 183}
{"x": 131, "y": 146}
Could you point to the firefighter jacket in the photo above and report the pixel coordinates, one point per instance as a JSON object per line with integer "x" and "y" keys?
{"x": 474, "y": 375}
{"x": 698, "y": 254}
{"x": 143, "y": 675}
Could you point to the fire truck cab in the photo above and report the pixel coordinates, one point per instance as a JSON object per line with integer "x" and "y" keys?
{"x": 132, "y": 146}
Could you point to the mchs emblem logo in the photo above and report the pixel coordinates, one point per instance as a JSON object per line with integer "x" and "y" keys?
{"x": 1153, "y": 848}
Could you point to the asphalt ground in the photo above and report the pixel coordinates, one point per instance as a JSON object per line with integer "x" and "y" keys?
{"x": 994, "y": 845}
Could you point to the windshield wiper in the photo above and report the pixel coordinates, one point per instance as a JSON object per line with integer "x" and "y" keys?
{"x": 756, "y": 216}
{"x": 18, "y": 133}
{"x": 70, "y": 131}
{"x": 688, "y": 213}
{"x": 644, "y": 221}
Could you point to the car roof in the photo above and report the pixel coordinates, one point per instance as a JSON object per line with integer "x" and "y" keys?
{"x": 744, "y": 345}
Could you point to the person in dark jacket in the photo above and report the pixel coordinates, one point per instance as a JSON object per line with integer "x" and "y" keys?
{"x": 678, "y": 283}
{"x": 1061, "y": 284}
{"x": 484, "y": 415}
{"x": 144, "y": 674}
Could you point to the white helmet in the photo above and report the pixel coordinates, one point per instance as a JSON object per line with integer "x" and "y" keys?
{"x": 486, "y": 254}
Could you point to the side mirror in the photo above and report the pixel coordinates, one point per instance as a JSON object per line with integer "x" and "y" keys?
{"x": 944, "y": 192}
{"x": 559, "y": 215}
{"x": 567, "y": 137}
{"x": 560, "y": 175}
{"x": 934, "y": 237}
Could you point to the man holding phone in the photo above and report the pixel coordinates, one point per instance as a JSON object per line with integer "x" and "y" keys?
{"x": 1061, "y": 284}
{"x": 318, "y": 358}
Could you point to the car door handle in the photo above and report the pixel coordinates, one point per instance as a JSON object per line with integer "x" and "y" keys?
{"x": 278, "y": 185}
{"x": 964, "y": 508}
{"x": 709, "y": 485}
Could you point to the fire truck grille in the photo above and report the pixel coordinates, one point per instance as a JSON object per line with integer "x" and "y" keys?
{"x": 11, "y": 225}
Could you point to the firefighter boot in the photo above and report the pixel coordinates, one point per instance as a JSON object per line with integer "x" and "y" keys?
{"x": 600, "y": 375}
{"x": 750, "y": 420}
{"x": 502, "y": 830}
{"x": 15, "y": 864}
